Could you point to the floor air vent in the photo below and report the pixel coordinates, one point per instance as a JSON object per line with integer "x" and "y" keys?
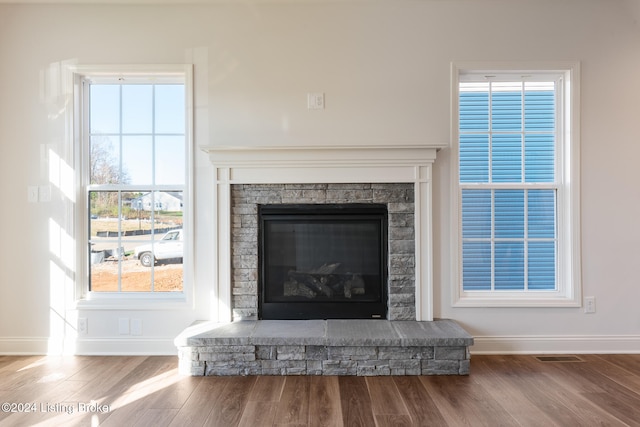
{"x": 559, "y": 359}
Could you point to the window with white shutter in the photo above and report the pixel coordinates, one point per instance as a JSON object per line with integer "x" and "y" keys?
{"x": 516, "y": 187}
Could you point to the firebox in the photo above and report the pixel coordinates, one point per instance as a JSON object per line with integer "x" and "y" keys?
{"x": 322, "y": 261}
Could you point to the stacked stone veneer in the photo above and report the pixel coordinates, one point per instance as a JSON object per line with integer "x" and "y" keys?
{"x": 399, "y": 199}
{"x": 325, "y": 347}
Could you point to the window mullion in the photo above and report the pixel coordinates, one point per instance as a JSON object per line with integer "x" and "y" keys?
{"x": 153, "y": 234}
{"x": 120, "y": 176}
{"x": 153, "y": 166}
{"x": 490, "y": 180}
{"x": 490, "y": 133}
{"x": 526, "y": 192}
{"x": 493, "y": 241}
{"x": 522, "y": 133}
{"x": 119, "y": 240}
{"x": 120, "y": 133}
{"x": 526, "y": 240}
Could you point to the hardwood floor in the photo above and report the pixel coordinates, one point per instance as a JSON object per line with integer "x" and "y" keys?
{"x": 147, "y": 391}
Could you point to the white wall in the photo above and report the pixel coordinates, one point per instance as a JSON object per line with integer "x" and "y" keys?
{"x": 384, "y": 67}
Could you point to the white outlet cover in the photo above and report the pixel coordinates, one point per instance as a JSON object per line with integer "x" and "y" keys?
{"x": 315, "y": 101}
{"x": 136, "y": 326}
{"x": 589, "y": 304}
{"x": 123, "y": 326}
{"x": 44, "y": 193}
{"x": 82, "y": 326}
{"x": 32, "y": 194}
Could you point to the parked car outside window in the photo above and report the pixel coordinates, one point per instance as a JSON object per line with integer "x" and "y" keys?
{"x": 169, "y": 247}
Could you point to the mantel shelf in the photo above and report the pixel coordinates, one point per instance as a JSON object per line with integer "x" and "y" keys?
{"x": 358, "y": 154}
{"x": 244, "y": 148}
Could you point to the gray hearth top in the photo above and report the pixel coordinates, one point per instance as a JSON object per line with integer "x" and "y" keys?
{"x": 338, "y": 332}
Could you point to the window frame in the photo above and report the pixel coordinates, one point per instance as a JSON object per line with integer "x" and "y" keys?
{"x": 119, "y": 299}
{"x": 568, "y": 292}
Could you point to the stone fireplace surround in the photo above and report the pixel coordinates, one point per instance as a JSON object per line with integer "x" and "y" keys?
{"x": 399, "y": 199}
{"x": 410, "y": 343}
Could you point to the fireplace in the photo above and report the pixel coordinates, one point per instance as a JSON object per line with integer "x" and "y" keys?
{"x": 322, "y": 261}
{"x": 248, "y": 176}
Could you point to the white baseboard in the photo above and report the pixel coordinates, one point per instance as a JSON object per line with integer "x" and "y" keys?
{"x": 162, "y": 346}
{"x": 560, "y": 344}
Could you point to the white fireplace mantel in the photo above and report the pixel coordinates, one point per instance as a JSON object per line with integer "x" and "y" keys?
{"x": 322, "y": 164}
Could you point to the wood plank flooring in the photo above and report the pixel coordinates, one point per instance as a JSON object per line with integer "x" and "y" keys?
{"x": 147, "y": 391}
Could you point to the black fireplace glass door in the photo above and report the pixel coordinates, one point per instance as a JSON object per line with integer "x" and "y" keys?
{"x": 326, "y": 264}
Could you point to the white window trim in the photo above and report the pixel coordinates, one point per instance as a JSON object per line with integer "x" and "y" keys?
{"x": 569, "y": 293}
{"x": 129, "y": 300}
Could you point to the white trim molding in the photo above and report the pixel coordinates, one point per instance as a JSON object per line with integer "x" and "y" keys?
{"x": 557, "y": 344}
{"x": 322, "y": 164}
{"x": 483, "y": 345}
{"x": 134, "y": 346}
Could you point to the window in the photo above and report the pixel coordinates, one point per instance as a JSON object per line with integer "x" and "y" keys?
{"x": 516, "y": 185}
{"x": 135, "y": 175}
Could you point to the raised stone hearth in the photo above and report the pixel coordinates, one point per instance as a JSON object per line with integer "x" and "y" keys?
{"x": 325, "y": 347}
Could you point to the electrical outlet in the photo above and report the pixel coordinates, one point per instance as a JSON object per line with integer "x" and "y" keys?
{"x": 123, "y": 326}
{"x": 83, "y": 326}
{"x": 44, "y": 193}
{"x": 136, "y": 326}
{"x": 589, "y": 304}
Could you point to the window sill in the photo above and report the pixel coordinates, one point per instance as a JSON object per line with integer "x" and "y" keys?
{"x": 511, "y": 300}
{"x": 134, "y": 301}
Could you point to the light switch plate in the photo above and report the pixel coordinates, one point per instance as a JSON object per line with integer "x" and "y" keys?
{"x": 315, "y": 101}
{"x": 32, "y": 194}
